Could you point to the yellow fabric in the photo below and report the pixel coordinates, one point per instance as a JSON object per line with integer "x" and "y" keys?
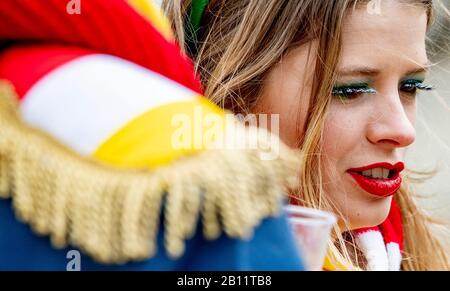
{"x": 163, "y": 134}
{"x": 153, "y": 14}
{"x": 329, "y": 266}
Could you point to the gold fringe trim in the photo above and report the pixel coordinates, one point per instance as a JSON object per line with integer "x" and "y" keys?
{"x": 113, "y": 214}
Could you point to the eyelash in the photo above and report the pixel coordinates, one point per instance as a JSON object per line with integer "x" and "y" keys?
{"x": 350, "y": 92}
{"x": 413, "y": 85}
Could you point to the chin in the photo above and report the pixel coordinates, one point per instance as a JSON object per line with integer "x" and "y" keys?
{"x": 372, "y": 214}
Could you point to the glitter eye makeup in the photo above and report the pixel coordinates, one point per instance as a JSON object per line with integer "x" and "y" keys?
{"x": 352, "y": 90}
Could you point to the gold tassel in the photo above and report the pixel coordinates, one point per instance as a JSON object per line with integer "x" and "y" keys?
{"x": 114, "y": 215}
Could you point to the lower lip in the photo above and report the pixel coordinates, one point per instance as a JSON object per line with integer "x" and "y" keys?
{"x": 378, "y": 187}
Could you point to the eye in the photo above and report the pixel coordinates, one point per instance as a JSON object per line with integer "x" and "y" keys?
{"x": 351, "y": 91}
{"x": 411, "y": 86}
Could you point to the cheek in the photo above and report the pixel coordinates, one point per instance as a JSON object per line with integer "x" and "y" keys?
{"x": 285, "y": 97}
{"x": 291, "y": 110}
{"x": 411, "y": 111}
{"x": 286, "y": 90}
{"x": 343, "y": 134}
{"x": 344, "y": 140}
{"x": 344, "y": 146}
{"x": 292, "y": 128}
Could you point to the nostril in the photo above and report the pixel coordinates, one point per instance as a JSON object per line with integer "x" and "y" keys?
{"x": 390, "y": 141}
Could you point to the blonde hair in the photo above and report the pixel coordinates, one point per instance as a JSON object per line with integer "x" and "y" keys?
{"x": 237, "y": 45}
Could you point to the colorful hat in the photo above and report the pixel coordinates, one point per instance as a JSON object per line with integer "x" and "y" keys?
{"x": 92, "y": 106}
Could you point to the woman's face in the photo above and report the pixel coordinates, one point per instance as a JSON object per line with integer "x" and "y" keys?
{"x": 372, "y": 113}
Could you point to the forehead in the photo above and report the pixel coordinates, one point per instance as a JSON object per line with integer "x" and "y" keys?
{"x": 394, "y": 30}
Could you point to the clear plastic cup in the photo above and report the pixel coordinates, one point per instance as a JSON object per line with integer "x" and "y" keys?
{"x": 312, "y": 230}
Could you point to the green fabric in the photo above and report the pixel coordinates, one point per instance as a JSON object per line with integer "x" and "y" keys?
{"x": 197, "y": 11}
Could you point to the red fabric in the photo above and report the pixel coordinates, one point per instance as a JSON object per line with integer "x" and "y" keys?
{"x": 23, "y": 66}
{"x": 111, "y": 27}
{"x": 391, "y": 229}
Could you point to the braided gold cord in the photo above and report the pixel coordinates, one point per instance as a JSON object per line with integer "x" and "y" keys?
{"x": 114, "y": 215}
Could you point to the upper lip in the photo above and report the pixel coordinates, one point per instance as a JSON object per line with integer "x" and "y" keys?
{"x": 398, "y": 167}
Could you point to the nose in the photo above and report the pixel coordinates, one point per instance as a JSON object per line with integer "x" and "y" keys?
{"x": 392, "y": 126}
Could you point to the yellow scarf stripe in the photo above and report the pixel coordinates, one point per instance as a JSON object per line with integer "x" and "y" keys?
{"x": 164, "y": 134}
{"x": 328, "y": 265}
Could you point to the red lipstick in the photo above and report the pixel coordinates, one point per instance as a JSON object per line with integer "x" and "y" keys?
{"x": 382, "y": 187}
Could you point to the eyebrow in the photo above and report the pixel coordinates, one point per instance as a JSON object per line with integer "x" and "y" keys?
{"x": 371, "y": 72}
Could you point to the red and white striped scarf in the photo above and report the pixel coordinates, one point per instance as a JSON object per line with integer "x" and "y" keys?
{"x": 383, "y": 245}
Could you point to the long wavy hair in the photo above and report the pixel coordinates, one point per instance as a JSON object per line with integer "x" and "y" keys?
{"x": 238, "y": 44}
